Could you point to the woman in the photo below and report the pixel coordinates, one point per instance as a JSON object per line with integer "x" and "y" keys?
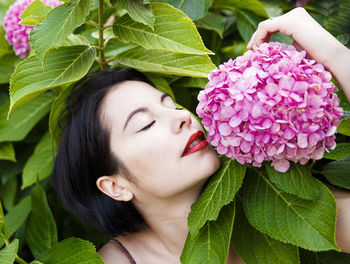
{"x": 136, "y": 166}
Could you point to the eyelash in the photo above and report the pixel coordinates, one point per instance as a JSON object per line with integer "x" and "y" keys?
{"x": 151, "y": 124}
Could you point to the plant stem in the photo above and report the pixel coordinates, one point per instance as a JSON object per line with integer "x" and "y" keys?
{"x": 102, "y": 59}
{"x": 20, "y": 260}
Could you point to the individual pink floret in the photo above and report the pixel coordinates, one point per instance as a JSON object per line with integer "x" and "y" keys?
{"x": 271, "y": 104}
{"x": 18, "y": 35}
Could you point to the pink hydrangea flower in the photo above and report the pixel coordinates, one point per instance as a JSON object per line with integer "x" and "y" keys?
{"x": 18, "y": 35}
{"x": 270, "y": 104}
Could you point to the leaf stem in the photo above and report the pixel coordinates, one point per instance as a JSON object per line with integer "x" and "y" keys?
{"x": 102, "y": 59}
{"x": 107, "y": 26}
{"x": 92, "y": 23}
{"x": 20, "y": 260}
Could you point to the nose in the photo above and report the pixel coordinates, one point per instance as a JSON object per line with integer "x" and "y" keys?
{"x": 182, "y": 119}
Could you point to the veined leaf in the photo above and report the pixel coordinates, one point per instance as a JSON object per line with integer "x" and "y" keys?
{"x": 161, "y": 84}
{"x": 7, "y": 152}
{"x": 9, "y": 253}
{"x": 71, "y": 250}
{"x": 8, "y": 191}
{"x": 344, "y": 127}
{"x": 183, "y": 38}
{"x": 166, "y": 62}
{"x": 41, "y": 232}
{"x": 75, "y": 39}
{"x": 40, "y": 163}
{"x": 191, "y": 82}
{"x": 138, "y": 11}
{"x": 254, "y": 6}
{"x": 297, "y": 180}
{"x": 195, "y": 9}
{"x": 258, "y": 248}
{"x": 337, "y": 172}
{"x": 211, "y": 245}
{"x": 247, "y": 24}
{"x": 16, "y": 216}
{"x": 341, "y": 151}
{"x": 4, "y": 45}
{"x": 212, "y": 21}
{"x": 220, "y": 191}
{"x": 58, "y": 25}
{"x": 34, "y": 13}
{"x": 63, "y": 65}
{"x": 24, "y": 118}
{"x": 287, "y": 218}
{"x": 7, "y": 66}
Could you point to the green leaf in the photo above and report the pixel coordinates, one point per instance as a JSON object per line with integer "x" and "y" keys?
{"x": 191, "y": 82}
{"x": 344, "y": 126}
{"x": 7, "y": 152}
{"x": 247, "y": 24}
{"x": 258, "y": 248}
{"x": 63, "y": 65}
{"x": 62, "y": 20}
{"x": 8, "y": 192}
{"x": 7, "y": 66}
{"x": 71, "y": 250}
{"x": 220, "y": 191}
{"x": 166, "y": 62}
{"x": 138, "y": 11}
{"x": 34, "y": 13}
{"x": 9, "y": 253}
{"x": 212, "y": 21}
{"x": 341, "y": 151}
{"x": 23, "y": 119}
{"x": 3, "y": 230}
{"x": 195, "y": 9}
{"x": 297, "y": 180}
{"x": 55, "y": 114}
{"x": 17, "y": 216}
{"x": 161, "y": 84}
{"x": 40, "y": 163}
{"x": 41, "y": 230}
{"x": 254, "y": 6}
{"x": 337, "y": 172}
{"x": 4, "y": 45}
{"x": 287, "y": 218}
{"x": 328, "y": 257}
{"x": 212, "y": 244}
{"x": 183, "y": 38}
{"x": 75, "y": 39}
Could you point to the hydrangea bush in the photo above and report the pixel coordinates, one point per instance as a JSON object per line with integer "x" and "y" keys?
{"x": 272, "y": 103}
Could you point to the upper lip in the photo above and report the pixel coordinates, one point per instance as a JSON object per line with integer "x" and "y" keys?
{"x": 196, "y": 135}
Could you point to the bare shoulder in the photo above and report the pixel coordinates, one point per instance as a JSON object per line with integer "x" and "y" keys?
{"x": 112, "y": 254}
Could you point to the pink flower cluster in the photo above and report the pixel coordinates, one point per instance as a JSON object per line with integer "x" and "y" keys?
{"x": 18, "y": 35}
{"x": 270, "y": 104}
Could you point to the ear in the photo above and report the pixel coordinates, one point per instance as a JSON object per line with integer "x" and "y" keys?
{"x": 115, "y": 187}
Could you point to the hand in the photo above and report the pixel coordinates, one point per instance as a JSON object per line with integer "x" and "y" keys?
{"x": 313, "y": 38}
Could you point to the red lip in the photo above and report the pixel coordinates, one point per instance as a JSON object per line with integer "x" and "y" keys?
{"x": 202, "y": 144}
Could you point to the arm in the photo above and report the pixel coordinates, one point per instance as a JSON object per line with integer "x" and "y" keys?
{"x": 312, "y": 37}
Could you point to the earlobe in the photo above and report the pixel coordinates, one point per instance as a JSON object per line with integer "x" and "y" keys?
{"x": 113, "y": 187}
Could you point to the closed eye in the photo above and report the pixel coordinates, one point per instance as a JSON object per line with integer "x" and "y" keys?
{"x": 148, "y": 126}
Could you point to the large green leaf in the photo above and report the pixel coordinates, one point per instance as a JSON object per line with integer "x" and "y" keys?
{"x": 211, "y": 245}
{"x": 71, "y": 250}
{"x": 41, "y": 230}
{"x": 16, "y": 216}
{"x": 166, "y": 62}
{"x": 287, "y": 218}
{"x": 191, "y": 82}
{"x": 328, "y": 257}
{"x": 183, "y": 38}
{"x": 220, "y": 191}
{"x": 7, "y": 152}
{"x": 344, "y": 127}
{"x": 212, "y": 21}
{"x": 34, "y": 13}
{"x": 40, "y": 163}
{"x": 58, "y": 25}
{"x": 4, "y": 45}
{"x": 63, "y": 65}
{"x": 24, "y": 118}
{"x": 340, "y": 152}
{"x": 258, "y": 248}
{"x": 337, "y": 172}
{"x": 247, "y": 24}
{"x": 8, "y": 191}
{"x": 195, "y": 9}
{"x": 254, "y": 6}
{"x": 138, "y": 11}
{"x": 297, "y": 180}
{"x": 9, "y": 253}
{"x": 7, "y": 66}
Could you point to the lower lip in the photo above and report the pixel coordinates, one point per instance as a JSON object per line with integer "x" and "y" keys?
{"x": 201, "y": 145}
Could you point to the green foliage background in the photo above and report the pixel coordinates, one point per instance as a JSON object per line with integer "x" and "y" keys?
{"x": 268, "y": 216}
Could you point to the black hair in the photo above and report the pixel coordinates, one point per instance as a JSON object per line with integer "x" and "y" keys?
{"x": 84, "y": 155}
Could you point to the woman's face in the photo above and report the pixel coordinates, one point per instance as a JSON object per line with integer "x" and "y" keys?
{"x": 149, "y": 135}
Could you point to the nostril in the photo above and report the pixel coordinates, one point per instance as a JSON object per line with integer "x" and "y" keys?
{"x": 182, "y": 124}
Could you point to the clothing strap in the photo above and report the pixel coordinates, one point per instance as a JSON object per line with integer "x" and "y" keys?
{"x": 125, "y": 251}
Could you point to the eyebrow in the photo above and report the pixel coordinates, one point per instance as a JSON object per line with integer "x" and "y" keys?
{"x": 142, "y": 109}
